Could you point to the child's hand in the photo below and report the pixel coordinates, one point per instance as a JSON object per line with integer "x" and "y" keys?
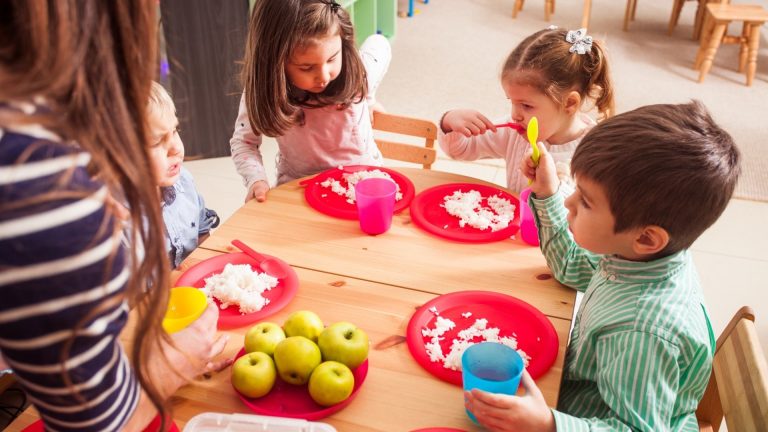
{"x": 542, "y": 175}
{"x": 498, "y": 412}
{"x": 258, "y": 190}
{"x": 466, "y": 122}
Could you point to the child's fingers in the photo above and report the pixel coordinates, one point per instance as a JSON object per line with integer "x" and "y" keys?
{"x": 487, "y": 123}
{"x": 493, "y": 399}
{"x": 531, "y": 389}
{"x": 473, "y": 129}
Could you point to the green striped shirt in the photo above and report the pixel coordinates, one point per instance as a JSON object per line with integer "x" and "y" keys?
{"x": 641, "y": 348}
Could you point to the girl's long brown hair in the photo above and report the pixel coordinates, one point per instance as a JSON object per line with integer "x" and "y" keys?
{"x": 92, "y": 62}
{"x": 544, "y": 61}
{"x": 276, "y": 29}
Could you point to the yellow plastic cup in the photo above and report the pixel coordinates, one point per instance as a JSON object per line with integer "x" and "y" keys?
{"x": 185, "y": 305}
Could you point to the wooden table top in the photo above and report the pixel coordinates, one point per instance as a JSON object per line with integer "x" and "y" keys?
{"x": 376, "y": 282}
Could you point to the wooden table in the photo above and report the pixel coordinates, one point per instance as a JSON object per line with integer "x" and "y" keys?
{"x": 377, "y": 283}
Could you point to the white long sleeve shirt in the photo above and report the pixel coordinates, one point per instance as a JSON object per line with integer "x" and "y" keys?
{"x": 329, "y": 136}
{"x": 511, "y": 146}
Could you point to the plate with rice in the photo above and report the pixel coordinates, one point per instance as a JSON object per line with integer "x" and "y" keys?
{"x": 441, "y": 329}
{"x": 237, "y": 284}
{"x": 466, "y": 212}
{"x": 294, "y": 401}
{"x": 332, "y": 192}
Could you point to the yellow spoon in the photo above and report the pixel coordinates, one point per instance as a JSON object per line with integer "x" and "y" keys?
{"x": 533, "y": 134}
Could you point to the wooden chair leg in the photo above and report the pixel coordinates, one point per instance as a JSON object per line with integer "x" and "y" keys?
{"x": 675, "y": 17}
{"x": 628, "y": 13}
{"x": 585, "y": 14}
{"x": 744, "y": 47}
{"x": 712, "y": 46}
{"x": 547, "y": 8}
{"x": 634, "y": 9}
{"x": 517, "y": 8}
{"x": 754, "y": 42}
{"x": 552, "y": 7}
{"x": 706, "y": 33}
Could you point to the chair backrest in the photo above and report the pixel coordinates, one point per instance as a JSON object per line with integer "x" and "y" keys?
{"x": 401, "y": 151}
{"x": 738, "y": 385}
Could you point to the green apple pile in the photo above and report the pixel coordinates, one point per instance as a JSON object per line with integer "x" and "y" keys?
{"x": 302, "y": 351}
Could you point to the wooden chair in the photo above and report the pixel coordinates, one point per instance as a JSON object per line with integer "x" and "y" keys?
{"x": 401, "y": 151}
{"x": 738, "y": 385}
{"x": 549, "y": 8}
{"x": 716, "y": 20}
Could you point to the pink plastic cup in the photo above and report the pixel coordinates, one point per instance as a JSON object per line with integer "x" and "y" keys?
{"x": 375, "y": 204}
{"x": 528, "y": 230}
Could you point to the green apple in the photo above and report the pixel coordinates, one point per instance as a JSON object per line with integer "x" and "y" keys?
{"x": 254, "y": 374}
{"x": 303, "y": 323}
{"x": 345, "y": 343}
{"x": 331, "y": 383}
{"x": 296, "y": 357}
{"x": 263, "y": 337}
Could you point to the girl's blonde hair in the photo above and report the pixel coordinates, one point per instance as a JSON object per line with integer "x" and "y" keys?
{"x": 159, "y": 100}
{"x": 544, "y": 61}
{"x": 92, "y": 61}
{"x": 276, "y": 29}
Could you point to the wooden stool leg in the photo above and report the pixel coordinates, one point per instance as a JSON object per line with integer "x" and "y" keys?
{"x": 585, "y": 14}
{"x": 628, "y": 14}
{"x": 552, "y": 7}
{"x": 698, "y": 21}
{"x": 744, "y": 46}
{"x": 754, "y": 42}
{"x": 547, "y": 7}
{"x": 675, "y": 17}
{"x": 634, "y": 9}
{"x": 714, "y": 43}
{"x": 517, "y": 8}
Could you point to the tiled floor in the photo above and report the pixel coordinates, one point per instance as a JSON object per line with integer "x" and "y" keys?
{"x": 731, "y": 257}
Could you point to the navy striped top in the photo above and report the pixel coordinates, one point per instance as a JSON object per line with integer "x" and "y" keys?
{"x": 60, "y": 265}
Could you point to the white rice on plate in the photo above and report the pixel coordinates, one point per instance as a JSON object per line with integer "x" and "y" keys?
{"x": 468, "y": 207}
{"x": 465, "y": 338}
{"x": 351, "y": 179}
{"x": 239, "y": 285}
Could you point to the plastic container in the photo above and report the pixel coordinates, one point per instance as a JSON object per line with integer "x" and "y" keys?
{"x": 528, "y": 230}
{"x": 375, "y": 204}
{"x": 185, "y": 304}
{"x": 217, "y": 422}
{"x": 491, "y": 367}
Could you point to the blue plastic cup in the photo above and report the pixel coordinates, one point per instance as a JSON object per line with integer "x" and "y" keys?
{"x": 491, "y": 367}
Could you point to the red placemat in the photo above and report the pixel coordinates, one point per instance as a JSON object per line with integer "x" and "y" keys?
{"x": 428, "y": 214}
{"x": 288, "y": 400}
{"x": 279, "y": 296}
{"x": 325, "y": 201}
{"x": 513, "y": 317}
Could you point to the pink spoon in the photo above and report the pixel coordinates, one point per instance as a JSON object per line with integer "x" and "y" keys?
{"x": 268, "y": 265}
{"x": 516, "y": 126}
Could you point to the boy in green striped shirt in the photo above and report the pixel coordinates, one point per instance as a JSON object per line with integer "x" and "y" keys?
{"x": 649, "y": 182}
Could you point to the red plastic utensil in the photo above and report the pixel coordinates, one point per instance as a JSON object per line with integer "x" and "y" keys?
{"x": 516, "y": 126}
{"x": 268, "y": 265}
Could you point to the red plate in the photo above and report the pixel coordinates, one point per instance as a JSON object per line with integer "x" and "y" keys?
{"x": 279, "y": 296}
{"x": 335, "y": 205}
{"x": 288, "y": 400}
{"x": 427, "y": 213}
{"x": 534, "y": 332}
{"x": 438, "y": 429}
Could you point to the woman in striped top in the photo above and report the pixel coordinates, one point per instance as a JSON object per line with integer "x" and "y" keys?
{"x": 74, "y": 83}
{"x": 649, "y": 182}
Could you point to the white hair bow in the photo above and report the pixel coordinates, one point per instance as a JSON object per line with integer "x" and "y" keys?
{"x": 581, "y": 42}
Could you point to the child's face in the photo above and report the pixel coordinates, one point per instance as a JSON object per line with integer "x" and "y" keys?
{"x": 529, "y": 102}
{"x": 166, "y": 149}
{"x": 313, "y": 66}
{"x": 591, "y": 222}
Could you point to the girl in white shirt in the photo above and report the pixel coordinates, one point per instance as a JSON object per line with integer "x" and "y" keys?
{"x": 550, "y": 75}
{"x": 307, "y": 86}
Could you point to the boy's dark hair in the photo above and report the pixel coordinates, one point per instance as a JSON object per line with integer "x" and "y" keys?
{"x": 276, "y": 29}
{"x": 665, "y": 165}
{"x": 544, "y": 61}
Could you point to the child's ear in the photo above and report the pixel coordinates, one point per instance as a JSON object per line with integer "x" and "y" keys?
{"x": 572, "y": 102}
{"x": 651, "y": 240}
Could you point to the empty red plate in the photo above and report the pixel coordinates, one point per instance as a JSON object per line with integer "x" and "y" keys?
{"x": 279, "y": 296}
{"x": 428, "y": 214}
{"x": 325, "y": 201}
{"x": 534, "y": 332}
{"x": 288, "y": 400}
